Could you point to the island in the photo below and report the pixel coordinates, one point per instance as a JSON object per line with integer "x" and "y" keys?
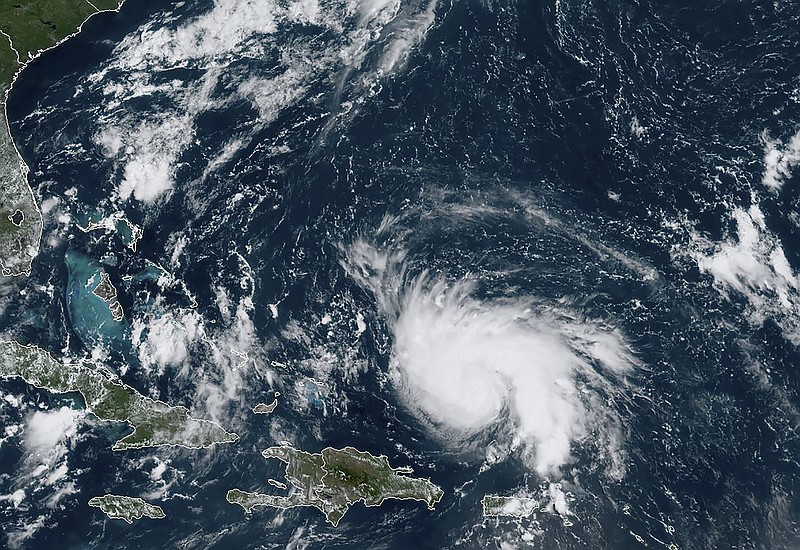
{"x": 28, "y": 27}
{"x": 335, "y": 479}
{"x": 263, "y": 408}
{"x": 106, "y": 291}
{"x": 93, "y": 304}
{"x": 128, "y": 232}
{"x": 154, "y": 423}
{"x": 127, "y": 508}
{"x": 513, "y": 506}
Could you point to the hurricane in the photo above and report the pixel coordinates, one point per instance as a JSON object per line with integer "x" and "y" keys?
{"x": 436, "y": 274}
{"x": 465, "y": 364}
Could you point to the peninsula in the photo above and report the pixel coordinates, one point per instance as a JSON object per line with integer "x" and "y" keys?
{"x": 154, "y": 423}
{"x": 27, "y": 27}
{"x": 335, "y": 479}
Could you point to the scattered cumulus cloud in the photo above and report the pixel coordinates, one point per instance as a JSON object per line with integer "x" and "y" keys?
{"x": 212, "y": 356}
{"x": 779, "y": 160}
{"x": 228, "y": 28}
{"x": 750, "y": 263}
{"x": 147, "y": 147}
{"x": 42, "y": 476}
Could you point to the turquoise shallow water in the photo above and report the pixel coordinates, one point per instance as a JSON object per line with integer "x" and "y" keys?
{"x": 89, "y": 314}
{"x": 564, "y": 164}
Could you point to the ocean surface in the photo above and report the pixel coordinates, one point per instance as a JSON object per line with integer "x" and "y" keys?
{"x": 544, "y": 249}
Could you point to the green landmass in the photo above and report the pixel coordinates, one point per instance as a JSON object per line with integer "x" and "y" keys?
{"x": 26, "y": 27}
{"x": 513, "y": 506}
{"x": 127, "y": 508}
{"x": 335, "y": 479}
{"x": 154, "y": 423}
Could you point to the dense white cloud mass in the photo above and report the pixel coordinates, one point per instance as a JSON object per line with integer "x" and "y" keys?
{"x": 467, "y": 364}
{"x": 165, "y": 339}
{"x": 45, "y": 430}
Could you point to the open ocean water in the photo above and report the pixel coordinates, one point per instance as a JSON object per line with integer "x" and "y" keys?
{"x": 527, "y": 248}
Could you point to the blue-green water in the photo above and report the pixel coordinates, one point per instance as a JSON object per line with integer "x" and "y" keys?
{"x": 89, "y": 314}
{"x": 458, "y": 234}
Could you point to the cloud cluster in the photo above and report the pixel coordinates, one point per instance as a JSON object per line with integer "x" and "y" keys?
{"x": 465, "y": 364}
{"x": 779, "y": 160}
{"x": 147, "y": 146}
{"x": 45, "y": 430}
{"x": 751, "y": 263}
{"x": 210, "y": 355}
{"x": 166, "y": 339}
{"x": 42, "y": 477}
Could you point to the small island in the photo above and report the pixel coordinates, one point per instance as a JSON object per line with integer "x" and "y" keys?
{"x": 513, "y": 506}
{"x": 154, "y": 423}
{"x": 335, "y": 479}
{"x": 127, "y": 508}
{"x": 263, "y": 408}
{"x": 279, "y": 484}
{"x": 128, "y": 232}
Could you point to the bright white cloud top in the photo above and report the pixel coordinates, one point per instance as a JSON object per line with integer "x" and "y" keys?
{"x": 464, "y": 365}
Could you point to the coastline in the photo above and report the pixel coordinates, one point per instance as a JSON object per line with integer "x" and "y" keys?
{"x": 20, "y": 241}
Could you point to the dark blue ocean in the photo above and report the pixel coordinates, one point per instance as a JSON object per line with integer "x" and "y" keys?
{"x": 623, "y": 170}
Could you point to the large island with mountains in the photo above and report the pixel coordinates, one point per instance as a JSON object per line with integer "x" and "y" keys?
{"x": 334, "y": 479}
